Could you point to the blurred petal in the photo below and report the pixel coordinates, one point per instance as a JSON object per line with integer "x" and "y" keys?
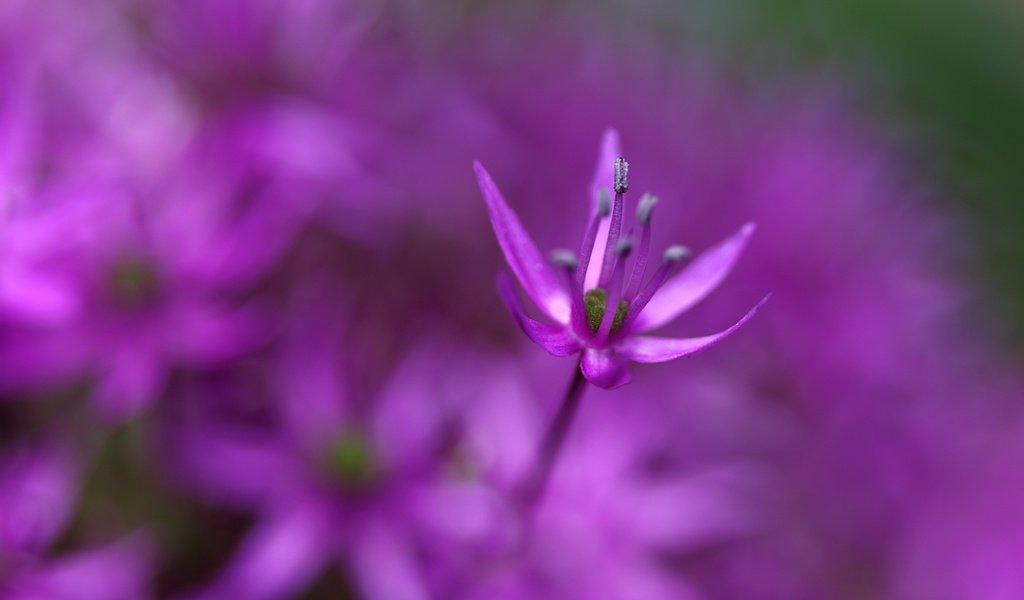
{"x": 37, "y": 493}
{"x": 130, "y": 382}
{"x": 461, "y": 512}
{"x": 230, "y": 466}
{"x": 605, "y": 368}
{"x": 120, "y": 571}
{"x": 280, "y": 558}
{"x": 642, "y": 579}
{"x": 698, "y": 280}
{"x": 310, "y": 379}
{"x": 684, "y": 513}
{"x": 556, "y": 339}
{"x": 37, "y": 298}
{"x": 504, "y": 430}
{"x": 19, "y": 123}
{"x": 205, "y": 333}
{"x": 384, "y": 568}
{"x": 533, "y": 272}
{"x": 649, "y": 349}
{"x": 604, "y": 172}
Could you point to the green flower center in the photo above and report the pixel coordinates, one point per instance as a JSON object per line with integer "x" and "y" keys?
{"x": 133, "y": 281}
{"x": 595, "y": 302}
{"x": 350, "y": 461}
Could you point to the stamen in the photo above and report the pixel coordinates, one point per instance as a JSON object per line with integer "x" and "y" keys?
{"x": 578, "y": 312}
{"x": 604, "y": 206}
{"x": 675, "y": 254}
{"x": 564, "y": 258}
{"x": 643, "y": 217}
{"x": 625, "y": 246}
{"x": 621, "y": 184}
{"x": 622, "y": 249}
{"x": 621, "y": 175}
{"x": 671, "y": 257}
{"x": 644, "y": 208}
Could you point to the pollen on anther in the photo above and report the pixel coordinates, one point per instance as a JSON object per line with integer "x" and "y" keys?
{"x": 644, "y": 208}
{"x": 674, "y": 254}
{"x": 621, "y": 175}
{"x": 564, "y": 258}
{"x": 624, "y": 246}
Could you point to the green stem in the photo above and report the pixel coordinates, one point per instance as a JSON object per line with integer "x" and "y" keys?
{"x": 553, "y": 440}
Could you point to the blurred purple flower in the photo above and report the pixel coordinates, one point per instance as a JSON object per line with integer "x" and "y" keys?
{"x": 610, "y": 517}
{"x": 138, "y": 293}
{"x": 336, "y": 480}
{"x": 37, "y": 493}
{"x": 608, "y": 338}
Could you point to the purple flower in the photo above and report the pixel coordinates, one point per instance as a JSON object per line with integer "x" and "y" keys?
{"x": 337, "y": 479}
{"x": 147, "y": 287}
{"x": 608, "y": 339}
{"x": 607, "y": 516}
{"x": 37, "y": 495}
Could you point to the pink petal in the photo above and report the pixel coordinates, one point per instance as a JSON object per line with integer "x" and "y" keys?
{"x": 533, "y": 272}
{"x": 20, "y": 123}
{"x": 120, "y": 570}
{"x": 310, "y": 379}
{"x": 204, "y": 333}
{"x": 405, "y": 430}
{"x": 131, "y": 381}
{"x": 648, "y": 349}
{"x": 280, "y": 558}
{"x": 383, "y": 564}
{"x": 556, "y": 339}
{"x": 38, "y": 490}
{"x": 605, "y": 368}
{"x": 459, "y": 512}
{"x": 689, "y": 512}
{"x": 603, "y": 175}
{"x": 698, "y": 280}
{"x": 230, "y": 465}
{"x": 37, "y": 298}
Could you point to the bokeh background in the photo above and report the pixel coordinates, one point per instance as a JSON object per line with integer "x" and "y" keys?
{"x": 251, "y": 346}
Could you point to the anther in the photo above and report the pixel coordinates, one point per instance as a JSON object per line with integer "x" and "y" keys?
{"x": 569, "y": 263}
{"x": 624, "y": 246}
{"x": 564, "y": 258}
{"x": 621, "y": 176}
{"x": 644, "y": 208}
{"x": 674, "y": 254}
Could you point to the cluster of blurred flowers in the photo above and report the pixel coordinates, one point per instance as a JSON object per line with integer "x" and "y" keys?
{"x": 251, "y": 345}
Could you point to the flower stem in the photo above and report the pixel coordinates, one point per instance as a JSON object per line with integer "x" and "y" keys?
{"x": 553, "y": 440}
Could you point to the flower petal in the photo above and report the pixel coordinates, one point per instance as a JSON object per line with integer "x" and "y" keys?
{"x": 556, "y": 339}
{"x": 230, "y": 466}
{"x": 37, "y": 297}
{"x": 118, "y": 570}
{"x": 605, "y": 368}
{"x": 604, "y": 173}
{"x": 698, "y": 280}
{"x": 134, "y": 374}
{"x": 384, "y": 565}
{"x": 38, "y": 490}
{"x": 533, "y": 272}
{"x": 649, "y": 349}
{"x": 280, "y": 556}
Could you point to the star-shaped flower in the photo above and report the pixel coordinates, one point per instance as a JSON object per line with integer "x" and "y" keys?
{"x": 596, "y": 279}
